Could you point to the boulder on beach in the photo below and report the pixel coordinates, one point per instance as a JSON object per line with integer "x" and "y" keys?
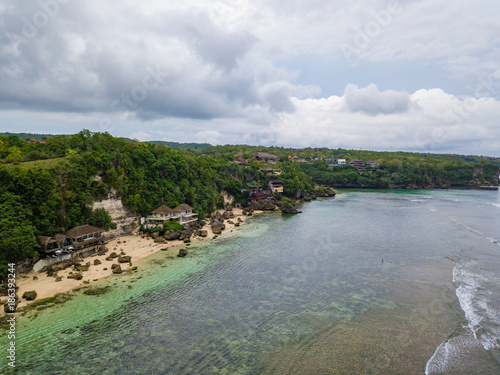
{"x": 97, "y": 262}
{"x": 124, "y": 259}
{"x": 160, "y": 240}
{"x": 182, "y": 253}
{"x": 185, "y": 233}
{"x": 216, "y": 229}
{"x": 116, "y": 268}
{"x": 76, "y": 276}
{"x": 113, "y": 255}
{"x": 29, "y": 295}
{"x": 171, "y": 236}
{"x": 82, "y": 267}
{"x": 10, "y": 308}
{"x": 203, "y": 233}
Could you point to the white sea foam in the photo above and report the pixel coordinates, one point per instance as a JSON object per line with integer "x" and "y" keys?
{"x": 483, "y": 320}
{"x": 496, "y": 204}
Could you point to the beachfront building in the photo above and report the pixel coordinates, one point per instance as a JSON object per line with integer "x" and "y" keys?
{"x": 276, "y": 186}
{"x": 182, "y": 214}
{"x": 260, "y": 196}
{"x": 78, "y": 238}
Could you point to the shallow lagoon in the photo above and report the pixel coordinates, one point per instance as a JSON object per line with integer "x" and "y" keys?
{"x": 304, "y": 294}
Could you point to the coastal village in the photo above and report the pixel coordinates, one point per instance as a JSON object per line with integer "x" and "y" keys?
{"x": 85, "y": 254}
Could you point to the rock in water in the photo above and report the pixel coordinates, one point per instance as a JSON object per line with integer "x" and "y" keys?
{"x": 29, "y": 295}
{"x": 182, "y": 253}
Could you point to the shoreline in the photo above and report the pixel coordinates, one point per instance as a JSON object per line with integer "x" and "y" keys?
{"x": 138, "y": 247}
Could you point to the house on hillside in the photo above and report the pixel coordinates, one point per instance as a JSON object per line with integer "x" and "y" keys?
{"x": 358, "y": 164}
{"x": 267, "y": 170}
{"x": 182, "y": 214}
{"x": 341, "y": 161}
{"x": 264, "y": 155}
{"x": 276, "y": 186}
{"x": 373, "y": 164}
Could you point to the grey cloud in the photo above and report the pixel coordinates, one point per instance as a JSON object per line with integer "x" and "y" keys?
{"x": 373, "y": 102}
{"x": 86, "y": 61}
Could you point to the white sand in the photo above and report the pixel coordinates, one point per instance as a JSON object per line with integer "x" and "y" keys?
{"x": 134, "y": 246}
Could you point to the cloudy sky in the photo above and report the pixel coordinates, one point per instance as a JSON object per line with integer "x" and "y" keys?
{"x": 421, "y": 75}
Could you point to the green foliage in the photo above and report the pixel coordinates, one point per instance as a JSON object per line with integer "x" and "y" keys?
{"x": 172, "y": 226}
{"x": 17, "y": 235}
{"x": 100, "y": 218}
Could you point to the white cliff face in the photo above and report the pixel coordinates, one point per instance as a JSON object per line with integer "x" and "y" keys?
{"x": 228, "y": 198}
{"x": 126, "y": 221}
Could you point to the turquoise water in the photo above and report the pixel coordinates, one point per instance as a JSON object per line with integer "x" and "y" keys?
{"x": 304, "y": 294}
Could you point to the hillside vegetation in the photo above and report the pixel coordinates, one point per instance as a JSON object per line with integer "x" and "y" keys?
{"x": 50, "y": 187}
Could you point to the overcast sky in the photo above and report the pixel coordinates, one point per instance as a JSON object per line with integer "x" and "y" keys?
{"x": 419, "y": 75}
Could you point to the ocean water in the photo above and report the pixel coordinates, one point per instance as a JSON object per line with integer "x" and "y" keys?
{"x": 371, "y": 282}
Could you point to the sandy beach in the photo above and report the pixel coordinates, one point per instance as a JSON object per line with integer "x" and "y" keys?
{"x": 135, "y": 246}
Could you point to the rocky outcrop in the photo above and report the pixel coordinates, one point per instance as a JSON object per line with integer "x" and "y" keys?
{"x": 113, "y": 255}
{"x": 97, "y": 262}
{"x": 171, "y": 236}
{"x": 202, "y": 233}
{"x": 116, "y": 268}
{"x": 76, "y": 276}
{"x": 10, "y": 308}
{"x": 289, "y": 210}
{"x": 126, "y": 221}
{"x": 185, "y": 233}
{"x": 182, "y": 253}
{"x": 29, "y": 295}
{"x": 216, "y": 229}
{"x": 160, "y": 240}
{"x": 82, "y": 267}
{"x": 124, "y": 259}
